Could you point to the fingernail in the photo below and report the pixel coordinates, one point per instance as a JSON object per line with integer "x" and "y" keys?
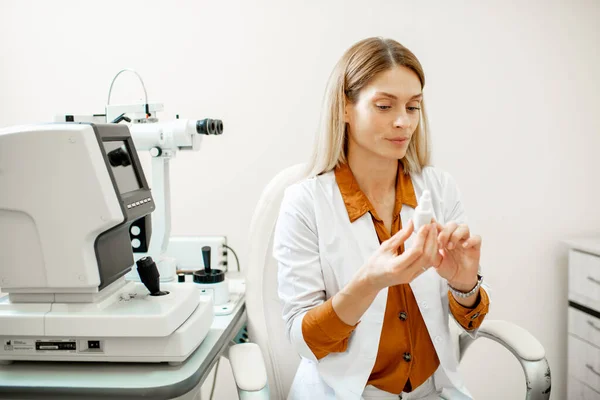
{"x": 465, "y": 244}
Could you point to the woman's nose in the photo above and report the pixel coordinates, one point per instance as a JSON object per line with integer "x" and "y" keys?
{"x": 401, "y": 120}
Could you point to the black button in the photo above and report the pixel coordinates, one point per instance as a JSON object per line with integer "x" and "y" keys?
{"x": 402, "y": 316}
{"x": 407, "y": 357}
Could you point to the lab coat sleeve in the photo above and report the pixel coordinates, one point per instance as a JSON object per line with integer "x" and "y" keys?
{"x": 454, "y": 211}
{"x": 296, "y": 249}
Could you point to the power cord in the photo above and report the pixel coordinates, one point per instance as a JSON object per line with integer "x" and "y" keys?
{"x": 237, "y": 260}
{"x": 214, "y": 383}
{"x": 141, "y": 81}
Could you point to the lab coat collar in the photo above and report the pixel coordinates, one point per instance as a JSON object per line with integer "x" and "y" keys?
{"x": 356, "y": 201}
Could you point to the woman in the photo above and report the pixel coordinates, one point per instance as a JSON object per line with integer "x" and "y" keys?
{"x": 366, "y": 300}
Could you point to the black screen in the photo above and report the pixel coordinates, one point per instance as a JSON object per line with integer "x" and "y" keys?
{"x": 121, "y": 164}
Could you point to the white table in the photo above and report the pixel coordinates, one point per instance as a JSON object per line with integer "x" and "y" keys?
{"x": 90, "y": 381}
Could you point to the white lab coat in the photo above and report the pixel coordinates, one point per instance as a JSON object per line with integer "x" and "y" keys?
{"x": 318, "y": 251}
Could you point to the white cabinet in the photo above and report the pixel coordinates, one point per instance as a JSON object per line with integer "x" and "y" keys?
{"x": 584, "y": 275}
{"x": 584, "y": 320}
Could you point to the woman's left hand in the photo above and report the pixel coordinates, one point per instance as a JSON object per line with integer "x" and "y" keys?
{"x": 460, "y": 255}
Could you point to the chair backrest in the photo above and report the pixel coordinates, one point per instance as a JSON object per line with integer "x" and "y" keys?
{"x": 265, "y": 324}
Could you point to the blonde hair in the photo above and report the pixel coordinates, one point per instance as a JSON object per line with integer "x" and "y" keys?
{"x": 357, "y": 67}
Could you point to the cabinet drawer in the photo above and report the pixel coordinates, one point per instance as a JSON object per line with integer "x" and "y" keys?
{"x": 579, "y": 391}
{"x": 584, "y": 275}
{"x": 585, "y": 326}
{"x": 584, "y": 362}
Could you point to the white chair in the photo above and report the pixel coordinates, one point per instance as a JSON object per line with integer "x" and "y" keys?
{"x": 266, "y": 327}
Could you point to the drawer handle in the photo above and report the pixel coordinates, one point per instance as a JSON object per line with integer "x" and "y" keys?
{"x": 591, "y": 278}
{"x": 591, "y": 368}
{"x": 590, "y": 323}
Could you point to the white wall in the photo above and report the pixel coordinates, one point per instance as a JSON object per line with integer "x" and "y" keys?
{"x": 511, "y": 91}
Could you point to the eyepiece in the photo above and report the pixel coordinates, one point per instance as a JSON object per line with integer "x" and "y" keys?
{"x": 209, "y": 126}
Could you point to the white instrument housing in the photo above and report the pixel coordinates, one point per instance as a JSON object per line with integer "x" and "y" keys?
{"x": 70, "y": 192}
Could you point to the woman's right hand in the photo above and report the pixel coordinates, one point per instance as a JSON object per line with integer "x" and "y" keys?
{"x": 387, "y": 268}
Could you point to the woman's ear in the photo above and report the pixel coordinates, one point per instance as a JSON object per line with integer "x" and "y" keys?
{"x": 347, "y": 113}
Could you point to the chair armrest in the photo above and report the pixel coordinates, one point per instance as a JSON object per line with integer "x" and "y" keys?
{"x": 524, "y": 346}
{"x": 249, "y": 371}
{"x": 516, "y": 339}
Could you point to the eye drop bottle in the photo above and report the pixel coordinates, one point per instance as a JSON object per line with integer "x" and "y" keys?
{"x": 423, "y": 212}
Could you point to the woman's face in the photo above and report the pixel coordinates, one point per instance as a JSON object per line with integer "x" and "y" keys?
{"x": 386, "y": 113}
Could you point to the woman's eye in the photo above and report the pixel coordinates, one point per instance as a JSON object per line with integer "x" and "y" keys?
{"x": 413, "y": 109}
{"x": 383, "y": 107}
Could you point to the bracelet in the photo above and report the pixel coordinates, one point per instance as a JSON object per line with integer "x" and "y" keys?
{"x": 470, "y": 293}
